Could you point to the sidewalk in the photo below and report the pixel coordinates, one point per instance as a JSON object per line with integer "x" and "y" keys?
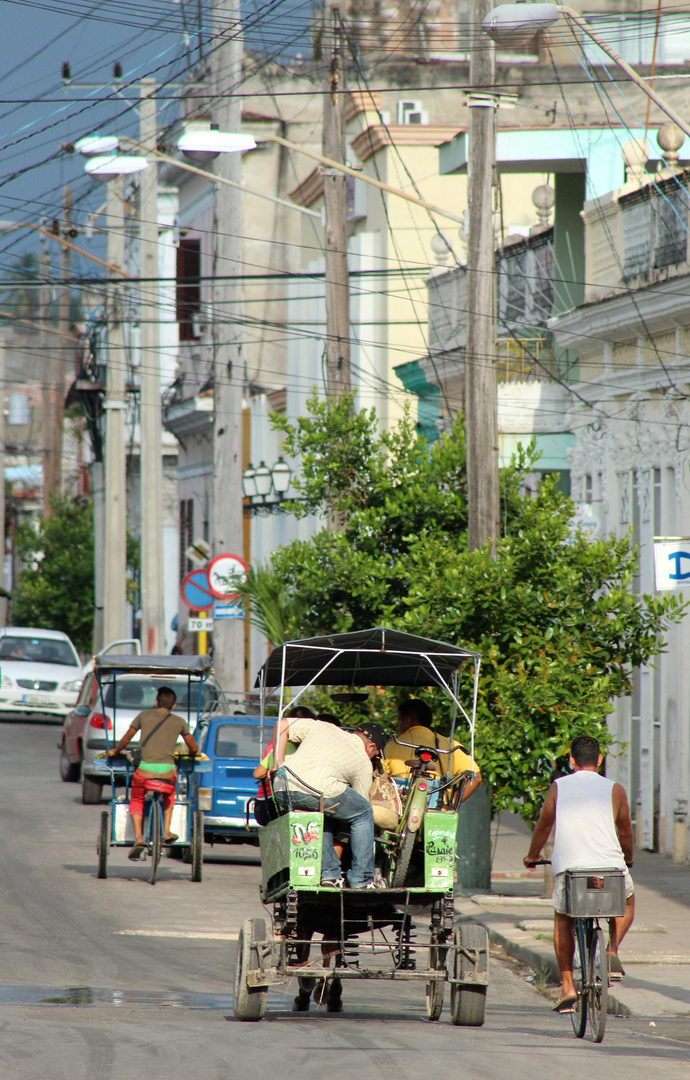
{"x": 655, "y": 953}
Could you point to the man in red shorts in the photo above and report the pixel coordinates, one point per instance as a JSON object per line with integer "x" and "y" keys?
{"x": 160, "y": 729}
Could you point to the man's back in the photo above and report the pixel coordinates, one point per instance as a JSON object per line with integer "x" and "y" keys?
{"x": 585, "y": 835}
{"x": 160, "y": 731}
{"x": 328, "y": 759}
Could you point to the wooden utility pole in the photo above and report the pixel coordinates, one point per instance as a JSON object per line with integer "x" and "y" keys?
{"x": 481, "y": 413}
{"x": 54, "y": 419}
{"x": 338, "y": 378}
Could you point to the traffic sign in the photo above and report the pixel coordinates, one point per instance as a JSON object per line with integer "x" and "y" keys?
{"x": 224, "y": 572}
{"x": 228, "y": 611}
{"x": 195, "y": 625}
{"x": 195, "y": 591}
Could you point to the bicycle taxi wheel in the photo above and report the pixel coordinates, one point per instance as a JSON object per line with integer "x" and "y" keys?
{"x": 155, "y": 838}
{"x": 580, "y": 971}
{"x": 103, "y": 844}
{"x": 598, "y": 992}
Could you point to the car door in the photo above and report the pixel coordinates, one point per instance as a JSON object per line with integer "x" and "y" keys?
{"x": 75, "y": 720}
{"x": 236, "y": 755}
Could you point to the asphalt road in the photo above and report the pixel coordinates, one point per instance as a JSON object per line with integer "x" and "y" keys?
{"x": 119, "y": 980}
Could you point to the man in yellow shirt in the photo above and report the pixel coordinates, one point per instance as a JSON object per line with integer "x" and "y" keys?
{"x": 414, "y": 726}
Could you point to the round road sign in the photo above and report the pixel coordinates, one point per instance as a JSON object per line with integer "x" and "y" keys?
{"x": 195, "y": 591}
{"x": 223, "y": 572}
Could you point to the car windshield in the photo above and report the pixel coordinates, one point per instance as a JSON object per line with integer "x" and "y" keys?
{"x": 141, "y": 693}
{"x": 37, "y": 650}
{"x": 238, "y": 741}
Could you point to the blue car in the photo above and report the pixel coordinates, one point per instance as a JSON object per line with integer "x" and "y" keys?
{"x": 232, "y": 743}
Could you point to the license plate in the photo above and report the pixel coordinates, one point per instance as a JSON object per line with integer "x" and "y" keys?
{"x": 36, "y": 699}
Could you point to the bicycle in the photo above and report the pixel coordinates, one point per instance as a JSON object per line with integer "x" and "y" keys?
{"x": 589, "y": 896}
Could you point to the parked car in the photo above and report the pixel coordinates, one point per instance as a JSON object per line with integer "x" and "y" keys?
{"x": 232, "y": 744}
{"x": 40, "y": 672}
{"x": 84, "y": 734}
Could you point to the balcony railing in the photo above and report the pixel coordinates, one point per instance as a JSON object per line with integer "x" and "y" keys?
{"x": 525, "y": 360}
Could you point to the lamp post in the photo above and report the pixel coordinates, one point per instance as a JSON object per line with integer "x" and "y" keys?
{"x": 511, "y": 24}
{"x": 105, "y": 164}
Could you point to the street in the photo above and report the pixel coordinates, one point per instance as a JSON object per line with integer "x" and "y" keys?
{"x": 118, "y": 979}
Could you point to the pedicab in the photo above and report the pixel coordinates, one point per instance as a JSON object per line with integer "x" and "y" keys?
{"x": 369, "y": 934}
{"x": 187, "y": 820}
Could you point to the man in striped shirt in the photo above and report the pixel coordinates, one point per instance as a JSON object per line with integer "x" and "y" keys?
{"x": 332, "y": 765}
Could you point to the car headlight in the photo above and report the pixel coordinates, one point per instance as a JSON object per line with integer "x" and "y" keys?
{"x": 71, "y": 687}
{"x": 6, "y": 683}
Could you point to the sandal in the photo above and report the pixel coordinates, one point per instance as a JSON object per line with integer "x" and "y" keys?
{"x": 616, "y": 972}
{"x": 137, "y": 850}
{"x": 566, "y": 1004}
{"x": 170, "y": 839}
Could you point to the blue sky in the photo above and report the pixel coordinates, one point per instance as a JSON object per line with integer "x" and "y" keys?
{"x": 38, "y": 114}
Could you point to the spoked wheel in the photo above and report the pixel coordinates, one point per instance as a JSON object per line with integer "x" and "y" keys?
{"x": 402, "y": 863}
{"x": 155, "y": 839}
{"x": 103, "y": 845}
{"x": 435, "y": 990}
{"x": 249, "y": 1003}
{"x": 197, "y": 847}
{"x": 579, "y": 1013}
{"x": 598, "y": 995}
{"x": 470, "y": 955}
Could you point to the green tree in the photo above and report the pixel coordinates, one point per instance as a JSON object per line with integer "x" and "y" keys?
{"x": 54, "y": 591}
{"x": 553, "y": 616}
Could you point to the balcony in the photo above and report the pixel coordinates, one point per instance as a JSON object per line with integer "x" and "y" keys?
{"x": 637, "y": 236}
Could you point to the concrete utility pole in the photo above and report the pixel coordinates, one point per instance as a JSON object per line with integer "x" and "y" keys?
{"x": 48, "y": 377}
{"x": 228, "y": 360}
{"x": 3, "y": 601}
{"x": 480, "y": 354}
{"x": 335, "y": 199}
{"x": 52, "y": 467}
{"x": 115, "y": 534}
{"x": 152, "y": 612}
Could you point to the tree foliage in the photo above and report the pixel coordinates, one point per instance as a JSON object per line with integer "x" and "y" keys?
{"x": 554, "y": 616}
{"x": 54, "y": 591}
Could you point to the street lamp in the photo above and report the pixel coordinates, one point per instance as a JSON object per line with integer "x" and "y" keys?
{"x": 204, "y": 146}
{"x": 108, "y": 167}
{"x": 514, "y": 24}
{"x": 260, "y": 484}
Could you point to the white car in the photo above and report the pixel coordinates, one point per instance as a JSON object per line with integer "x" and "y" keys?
{"x": 40, "y": 672}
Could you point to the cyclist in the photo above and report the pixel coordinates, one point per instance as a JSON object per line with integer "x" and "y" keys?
{"x": 593, "y": 831}
{"x": 160, "y": 729}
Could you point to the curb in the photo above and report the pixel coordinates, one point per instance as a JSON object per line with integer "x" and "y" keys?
{"x": 537, "y": 960}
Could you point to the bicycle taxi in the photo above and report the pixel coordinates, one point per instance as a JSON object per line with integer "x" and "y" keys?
{"x": 187, "y": 820}
{"x": 377, "y": 934}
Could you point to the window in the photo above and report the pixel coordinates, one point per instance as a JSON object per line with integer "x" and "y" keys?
{"x": 186, "y": 534}
{"x": 632, "y": 37}
{"x": 38, "y": 650}
{"x": 139, "y": 693}
{"x": 188, "y": 299}
{"x": 238, "y": 741}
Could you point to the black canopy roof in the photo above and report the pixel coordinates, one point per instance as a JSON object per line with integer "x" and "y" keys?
{"x": 126, "y": 664}
{"x": 379, "y": 656}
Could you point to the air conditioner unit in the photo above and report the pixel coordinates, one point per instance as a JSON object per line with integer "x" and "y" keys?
{"x": 411, "y": 112}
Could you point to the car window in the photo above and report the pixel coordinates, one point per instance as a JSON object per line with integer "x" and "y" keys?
{"x": 37, "y": 650}
{"x": 141, "y": 694}
{"x": 85, "y": 692}
{"x": 238, "y": 741}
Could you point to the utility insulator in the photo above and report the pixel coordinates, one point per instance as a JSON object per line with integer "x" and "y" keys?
{"x": 117, "y": 70}
{"x": 66, "y": 74}
{"x": 55, "y": 227}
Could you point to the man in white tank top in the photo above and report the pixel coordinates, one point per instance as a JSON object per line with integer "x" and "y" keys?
{"x": 593, "y": 832}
